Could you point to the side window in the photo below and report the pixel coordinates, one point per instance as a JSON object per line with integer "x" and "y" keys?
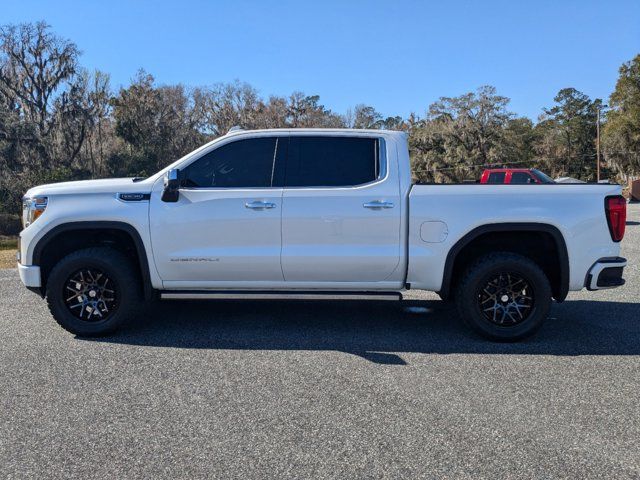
{"x": 496, "y": 177}
{"x": 244, "y": 163}
{"x": 521, "y": 177}
{"x": 324, "y": 161}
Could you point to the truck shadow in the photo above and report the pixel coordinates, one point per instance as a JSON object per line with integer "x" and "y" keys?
{"x": 377, "y": 331}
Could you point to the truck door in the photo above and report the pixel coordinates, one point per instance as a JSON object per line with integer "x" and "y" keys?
{"x": 522, "y": 178}
{"x": 225, "y": 227}
{"x": 497, "y": 178}
{"x": 341, "y": 210}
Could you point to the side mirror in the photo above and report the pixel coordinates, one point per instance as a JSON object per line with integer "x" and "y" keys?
{"x": 171, "y": 191}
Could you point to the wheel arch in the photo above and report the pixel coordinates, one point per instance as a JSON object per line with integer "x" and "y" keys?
{"x": 122, "y": 228}
{"x": 560, "y": 282}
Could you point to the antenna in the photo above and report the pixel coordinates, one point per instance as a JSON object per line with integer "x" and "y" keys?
{"x": 235, "y": 128}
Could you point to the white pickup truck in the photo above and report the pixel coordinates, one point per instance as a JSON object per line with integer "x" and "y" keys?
{"x": 315, "y": 214}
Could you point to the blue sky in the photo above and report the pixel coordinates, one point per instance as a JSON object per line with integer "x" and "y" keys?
{"x": 398, "y": 56}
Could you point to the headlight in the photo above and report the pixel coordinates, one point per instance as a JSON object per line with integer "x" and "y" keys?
{"x": 32, "y": 208}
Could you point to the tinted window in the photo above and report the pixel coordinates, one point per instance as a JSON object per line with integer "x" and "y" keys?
{"x": 496, "y": 177}
{"x": 542, "y": 177}
{"x": 331, "y": 161}
{"x": 521, "y": 177}
{"x": 245, "y": 163}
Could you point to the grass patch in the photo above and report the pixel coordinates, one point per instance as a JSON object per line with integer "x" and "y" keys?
{"x": 8, "y": 243}
{"x": 8, "y": 249}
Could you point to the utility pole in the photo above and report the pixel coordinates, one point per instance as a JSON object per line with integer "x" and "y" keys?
{"x": 598, "y": 147}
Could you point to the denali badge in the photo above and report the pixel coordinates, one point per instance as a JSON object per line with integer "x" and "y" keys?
{"x": 194, "y": 259}
{"x": 133, "y": 197}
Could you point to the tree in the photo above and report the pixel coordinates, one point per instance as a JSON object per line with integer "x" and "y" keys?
{"x": 517, "y": 145}
{"x": 621, "y": 135}
{"x": 306, "y": 112}
{"x": 273, "y": 113}
{"x": 460, "y": 136}
{"x": 61, "y": 122}
{"x": 45, "y": 107}
{"x": 363, "y": 116}
{"x": 158, "y": 124}
{"x": 226, "y": 105}
{"x": 395, "y": 123}
{"x": 566, "y": 135}
{"x": 35, "y": 66}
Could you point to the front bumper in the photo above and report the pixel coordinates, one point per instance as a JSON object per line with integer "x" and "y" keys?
{"x": 606, "y": 273}
{"x": 29, "y": 275}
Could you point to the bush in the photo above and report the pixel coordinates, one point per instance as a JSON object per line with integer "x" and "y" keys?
{"x": 10, "y": 224}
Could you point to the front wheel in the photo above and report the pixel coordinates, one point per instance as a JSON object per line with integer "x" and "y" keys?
{"x": 93, "y": 291}
{"x": 504, "y": 297}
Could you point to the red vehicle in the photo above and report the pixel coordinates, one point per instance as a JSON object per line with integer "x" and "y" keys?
{"x": 514, "y": 176}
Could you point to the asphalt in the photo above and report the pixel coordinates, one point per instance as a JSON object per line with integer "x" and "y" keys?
{"x": 323, "y": 390}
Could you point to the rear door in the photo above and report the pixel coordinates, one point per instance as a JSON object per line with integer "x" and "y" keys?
{"x": 522, "y": 178}
{"x": 340, "y": 211}
{"x": 497, "y": 177}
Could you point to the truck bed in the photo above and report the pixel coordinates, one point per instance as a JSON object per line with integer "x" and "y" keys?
{"x": 440, "y": 215}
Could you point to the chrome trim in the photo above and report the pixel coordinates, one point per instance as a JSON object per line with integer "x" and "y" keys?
{"x": 378, "y": 205}
{"x": 259, "y": 205}
{"x": 382, "y": 159}
{"x": 392, "y": 296}
{"x": 382, "y": 175}
{"x": 134, "y": 197}
{"x": 597, "y": 268}
{"x": 172, "y": 174}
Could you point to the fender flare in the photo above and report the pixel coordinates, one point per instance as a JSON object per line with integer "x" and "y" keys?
{"x": 561, "y": 246}
{"x": 129, "y": 229}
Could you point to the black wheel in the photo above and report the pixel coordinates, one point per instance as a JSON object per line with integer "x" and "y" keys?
{"x": 92, "y": 292}
{"x": 504, "y": 297}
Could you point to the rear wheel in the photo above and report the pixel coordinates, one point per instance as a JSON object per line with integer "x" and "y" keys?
{"x": 504, "y": 297}
{"x": 93, "y": 291}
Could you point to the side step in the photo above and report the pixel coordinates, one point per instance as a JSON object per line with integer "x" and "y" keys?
{"x": 276, "y": 295}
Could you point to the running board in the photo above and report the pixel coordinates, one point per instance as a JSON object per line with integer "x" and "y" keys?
{"x": 276, "y": 295}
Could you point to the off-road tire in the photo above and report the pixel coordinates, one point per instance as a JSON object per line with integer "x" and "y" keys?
{"x": 483, "y": 276}
{"x": 113, "y": 265}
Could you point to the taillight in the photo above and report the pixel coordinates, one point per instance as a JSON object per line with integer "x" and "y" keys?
{"x": 615, "y": 208}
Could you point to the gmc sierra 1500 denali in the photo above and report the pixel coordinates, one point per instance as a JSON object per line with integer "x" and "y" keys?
{"x": 315, "y": 214}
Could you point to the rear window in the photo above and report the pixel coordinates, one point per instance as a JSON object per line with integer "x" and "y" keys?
{"x": 496, "y": 177}
{"x": 331, "y": 161}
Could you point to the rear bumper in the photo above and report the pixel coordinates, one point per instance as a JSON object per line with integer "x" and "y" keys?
{"x": 29, "y": 275}
{"x": 606, "y": 273}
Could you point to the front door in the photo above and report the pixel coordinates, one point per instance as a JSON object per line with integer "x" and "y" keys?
{"x": 225, "y": 229}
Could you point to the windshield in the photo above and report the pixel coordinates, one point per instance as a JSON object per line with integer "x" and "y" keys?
{"x": 543, "y": 177}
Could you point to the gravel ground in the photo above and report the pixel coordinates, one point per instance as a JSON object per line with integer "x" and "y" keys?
{"x": 322, "y": 390}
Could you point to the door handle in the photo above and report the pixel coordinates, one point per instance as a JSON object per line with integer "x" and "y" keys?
{"x": 259, "y": 205}
{"x": 378, "y": 205}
